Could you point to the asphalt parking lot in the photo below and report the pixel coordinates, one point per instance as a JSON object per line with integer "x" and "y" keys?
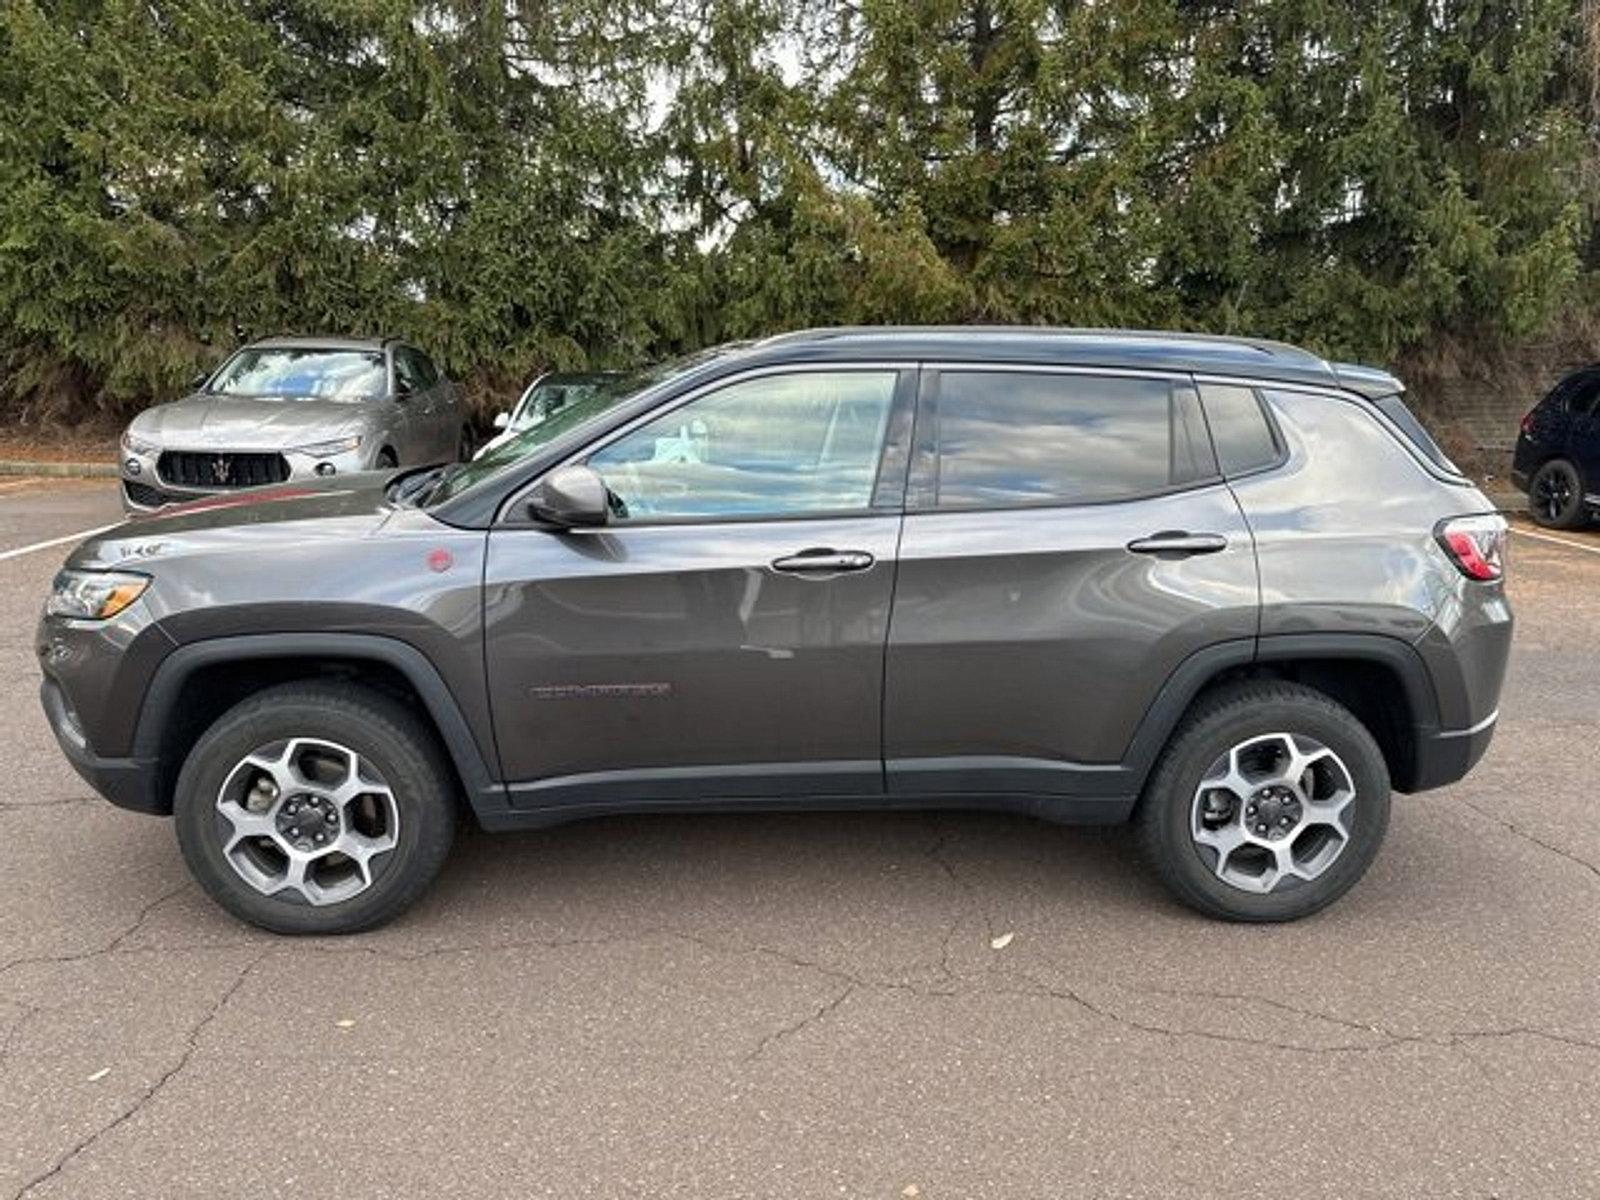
{"x": 816, "y": 1005}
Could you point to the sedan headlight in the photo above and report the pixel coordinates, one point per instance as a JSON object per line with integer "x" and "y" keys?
{"x": 94, "y": 595}
{"x": 326, "y": 449}
{"x": 134, "y": 444}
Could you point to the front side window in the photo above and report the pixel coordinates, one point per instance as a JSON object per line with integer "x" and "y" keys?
{"x": 778, "y": 445}
{"x": 291, "y": 374}
{"x": 408, "y": 374}
{"x": 1014, "y": 437}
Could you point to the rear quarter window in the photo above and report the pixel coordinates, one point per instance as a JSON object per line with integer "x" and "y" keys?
{"x": 1240, "y": 429}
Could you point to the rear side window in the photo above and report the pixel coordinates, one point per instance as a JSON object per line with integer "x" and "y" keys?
{"x": 1581, "y": 398}
{"x": 1406, "y": 421}
{"x": 1013, "y": 437}
{"x": 1240, "y": 430}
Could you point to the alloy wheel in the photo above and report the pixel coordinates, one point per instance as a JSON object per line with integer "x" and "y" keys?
{"x": 1552, "y": 493}
{"x": 307, "y": 821}
{"x": 1273, "y": 813}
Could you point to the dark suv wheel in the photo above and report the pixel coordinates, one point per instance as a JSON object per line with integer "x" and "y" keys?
{"x": 1268, "y": 804}
{"x": 315, "y": 808}
{"x": 1555, "y": 495}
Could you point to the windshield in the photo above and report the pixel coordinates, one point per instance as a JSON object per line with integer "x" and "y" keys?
{"x": 308, "y": 374}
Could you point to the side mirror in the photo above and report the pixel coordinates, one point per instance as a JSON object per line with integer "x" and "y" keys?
{"x": 501, "y": 420}
{"x": 570, "y": 497}
{"x": 199, "y": 381}
{"x": 402, "y": 389}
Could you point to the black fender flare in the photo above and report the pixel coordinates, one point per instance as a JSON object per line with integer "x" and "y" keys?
{"x": 1200, "y": 669}
{"x": 472, "y": 760}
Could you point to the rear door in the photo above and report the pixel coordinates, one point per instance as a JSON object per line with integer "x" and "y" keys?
{"x": 1583, "y": 429}
{"x": 723, "y": 636}
{"x": 1068, "y": 542}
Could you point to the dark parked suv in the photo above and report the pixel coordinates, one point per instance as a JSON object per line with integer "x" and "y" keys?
{"x": 1557, "y": 460}
{"x": 1221, "y": 587}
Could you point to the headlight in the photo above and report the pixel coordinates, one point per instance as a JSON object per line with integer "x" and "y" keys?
{"x": 94, "y": 595}
{"x": 135, "y": 444}
{"x": 325, "y": 449}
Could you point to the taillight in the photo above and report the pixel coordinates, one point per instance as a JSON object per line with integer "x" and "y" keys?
{"x": 1477, "y": 545}
{"x": 1527, "y": 421}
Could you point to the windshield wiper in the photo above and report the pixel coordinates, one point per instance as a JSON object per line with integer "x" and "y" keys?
{"x": 438, "y": 482}
{"x": 409, "y": 487}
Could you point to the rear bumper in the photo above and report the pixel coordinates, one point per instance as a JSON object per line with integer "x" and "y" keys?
{"x": 1446, "y": 755}
{"x": 131, "y": 783}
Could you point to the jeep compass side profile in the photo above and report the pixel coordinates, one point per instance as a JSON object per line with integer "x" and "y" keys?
{"x": 1220, "y": 587}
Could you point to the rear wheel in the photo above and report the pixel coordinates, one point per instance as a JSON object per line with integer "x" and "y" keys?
{"x": 1555, "y": 495}
{"x": 1269, "y": 803}
{"x": 315, "y": 808}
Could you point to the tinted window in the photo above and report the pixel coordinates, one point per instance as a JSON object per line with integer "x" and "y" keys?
{"x": 1395, "y": 409}
{"x": 1021, "y": 438}
{"x": 425, "y": 368}
{"x": 1581, "y": 400}
{"x": 778, "y": 445}
{"x": 1239, "y": 428}
{"x": 409, "y": 379}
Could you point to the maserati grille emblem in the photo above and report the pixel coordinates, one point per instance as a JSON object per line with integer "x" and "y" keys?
{"x": 219, "y": 469}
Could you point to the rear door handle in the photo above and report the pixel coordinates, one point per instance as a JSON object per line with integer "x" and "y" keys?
{"x": 1178, "y": 541}
{"x": 823, "y": 561}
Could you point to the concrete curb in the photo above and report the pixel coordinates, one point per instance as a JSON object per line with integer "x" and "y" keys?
{"x": 59, "y": 470}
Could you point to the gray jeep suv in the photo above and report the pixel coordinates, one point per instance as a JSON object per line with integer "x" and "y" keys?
{"x": 1220, "y": 587}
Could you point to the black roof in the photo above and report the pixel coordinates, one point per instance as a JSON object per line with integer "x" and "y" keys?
{"x": 1256, "y": 358}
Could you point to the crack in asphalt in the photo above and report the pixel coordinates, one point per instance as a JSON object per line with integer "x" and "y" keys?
{"x": 1387, "y": 1038}
{"x": 1517, "y": 830}
{"x": 937, "y": 853}
{"x": 27, "y": 1012}
{"x": 811, "y": 1018}
{"x": 190, "y": 1046}
{"x": 114, "y": 946}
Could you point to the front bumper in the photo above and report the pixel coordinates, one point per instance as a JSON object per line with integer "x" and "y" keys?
{"x": 145, "y": 490}
{"x": 131, "y": 783}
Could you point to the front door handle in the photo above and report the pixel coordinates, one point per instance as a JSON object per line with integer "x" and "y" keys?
{"x": 1179, "y": 542}
{"x": 823, "y": 560}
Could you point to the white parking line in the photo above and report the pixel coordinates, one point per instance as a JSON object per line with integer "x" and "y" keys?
{"x": 1545, "y": 537}
{"x": 60, "y": 541}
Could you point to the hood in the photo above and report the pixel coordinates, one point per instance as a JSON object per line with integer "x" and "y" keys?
{"x": 206, "y": 421}
{"x": 350, "y": 506}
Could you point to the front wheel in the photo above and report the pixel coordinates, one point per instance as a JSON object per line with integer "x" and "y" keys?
{"x": 1269, "y": 803}
{"x": 315, "y": 808}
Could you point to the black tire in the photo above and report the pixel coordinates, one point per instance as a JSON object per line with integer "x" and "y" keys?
{"x": 387, "y": 460}
{"x": 383, "y": 732}
{"x": 1555, "y": 495}
{"x": 1225, "y": 718}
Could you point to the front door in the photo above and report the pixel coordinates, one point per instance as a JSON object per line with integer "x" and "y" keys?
{"x": 1067, "y": 544}
{"x": 722, "y": 638}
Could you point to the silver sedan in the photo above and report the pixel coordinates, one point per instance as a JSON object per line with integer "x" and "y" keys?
{"x": 295, "y": 408}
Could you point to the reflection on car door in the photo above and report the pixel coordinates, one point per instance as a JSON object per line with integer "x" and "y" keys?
{"x": 723, "y": 637}
{"x": 1067, "y": 544}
